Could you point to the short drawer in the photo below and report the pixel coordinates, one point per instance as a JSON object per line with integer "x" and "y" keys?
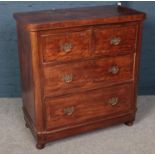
{"x": 68, "y": 110}
{"x": 72, "y": 77}
{"x": 65, "y": 46}
{"x": 114, "y": 40}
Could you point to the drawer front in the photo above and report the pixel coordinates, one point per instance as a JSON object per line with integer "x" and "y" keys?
{"x": 114, "y": 40}
{"x": 72, "y": 77}
{"x": 82, "y": 107}
{"x": 65, "y": 46}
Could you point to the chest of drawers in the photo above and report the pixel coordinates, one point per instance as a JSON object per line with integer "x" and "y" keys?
{"x": 79, "y": 69}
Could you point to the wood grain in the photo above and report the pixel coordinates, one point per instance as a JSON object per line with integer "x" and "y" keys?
{"x": 89, "y": 105}
{"x": 53, "y": 45}
{"x": 79, "y": 69}
{"x": 103, "y": 36}
{"x": 26, "y": 72}
{"x": 86, "y": 75}
{"x": 51, "y": 19}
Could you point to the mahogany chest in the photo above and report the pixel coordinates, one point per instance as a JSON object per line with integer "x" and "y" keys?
{"x": 79, "y": 69}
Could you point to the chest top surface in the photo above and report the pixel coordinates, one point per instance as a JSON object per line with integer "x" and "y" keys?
{"x": 61, "y": 18}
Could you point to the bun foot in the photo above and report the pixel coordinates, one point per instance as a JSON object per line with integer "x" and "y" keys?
{"x": 40, "y": 146}
{"x": 26, "y": 125}
{"x": 130, "y": 123}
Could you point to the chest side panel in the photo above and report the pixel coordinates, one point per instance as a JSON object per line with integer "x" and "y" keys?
{"x": 25, "y": 58}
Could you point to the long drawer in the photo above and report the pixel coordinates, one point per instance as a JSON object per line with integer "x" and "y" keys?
{"x": 72, "y": 77}
{"x": 73, "y": 109}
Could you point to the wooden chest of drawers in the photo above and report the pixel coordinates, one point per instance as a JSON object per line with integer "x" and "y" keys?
{"x": 79, "y": 69}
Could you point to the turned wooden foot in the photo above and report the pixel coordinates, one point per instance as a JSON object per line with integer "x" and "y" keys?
{"x": 26, "y": 125}
{"x": 129, "y": 123}
{"x": 40, "y": 146}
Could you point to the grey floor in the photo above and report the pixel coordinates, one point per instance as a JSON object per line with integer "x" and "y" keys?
{"x": 140, "y": 138}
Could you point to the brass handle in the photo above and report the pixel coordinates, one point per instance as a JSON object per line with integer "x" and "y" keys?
{"x": 113, "y": 101}
{"x": 67, "y": 47}
{"x": 115, "y": 41}
{"x": 67, "y": 78}
{"x": 114, "y": 69}
{"x": 68, "y": 110}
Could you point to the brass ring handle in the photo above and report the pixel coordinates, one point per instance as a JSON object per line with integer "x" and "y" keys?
{"x": 69, "y": 110}
{"x": 114, "y": 69}
{"x": 67, "y": 78}
{"x": 66, "y": 47}
{"x": 113, "y": 101}
{"x": 115, "y": 41}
